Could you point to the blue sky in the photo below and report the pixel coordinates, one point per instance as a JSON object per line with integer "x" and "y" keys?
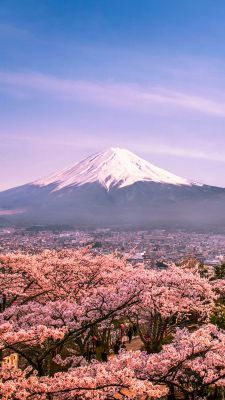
{"x": 78, "y": 76}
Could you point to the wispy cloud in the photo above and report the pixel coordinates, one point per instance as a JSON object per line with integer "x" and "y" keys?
{"x": 116, "y": 95}
{"x": 10, "y": 30}
{"x": 185, "y": 152}
{"x": 15, "y": 33}
{"x": 39, "y": 139}
{"x": 12, "y": 212}
{"x": 153, "y": 146}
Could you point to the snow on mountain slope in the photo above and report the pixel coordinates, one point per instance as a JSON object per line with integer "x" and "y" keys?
{"x": 113, "y": 167}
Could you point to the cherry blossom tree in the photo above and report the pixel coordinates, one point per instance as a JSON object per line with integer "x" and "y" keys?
{"x": 91, "y": 381}
{"x": 56, "y": 298}
{"x": 192, "y": 364}
{"x": 171, "y": 298}
{"x": 53, "y": 301}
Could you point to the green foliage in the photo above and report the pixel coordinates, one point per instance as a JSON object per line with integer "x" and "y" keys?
{"x": 220, "y": 271}
{"x": 167, "y": 339}
{"x": 218, "y": 316}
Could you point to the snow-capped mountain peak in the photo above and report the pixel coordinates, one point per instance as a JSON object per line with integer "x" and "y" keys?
{"x": 113, "y": 167}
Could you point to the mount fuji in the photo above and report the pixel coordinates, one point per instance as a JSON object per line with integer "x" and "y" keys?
{"x": 114, "y": 167}
{"x": 114, "y": 188}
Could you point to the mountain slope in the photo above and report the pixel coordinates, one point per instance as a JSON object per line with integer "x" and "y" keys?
{"x": 114, "y": 167}
{"x": 115, "y": 188}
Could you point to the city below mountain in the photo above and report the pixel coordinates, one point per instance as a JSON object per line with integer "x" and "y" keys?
{"x": 114, "y": 188}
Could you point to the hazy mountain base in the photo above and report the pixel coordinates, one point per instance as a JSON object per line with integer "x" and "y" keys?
{"x": 143, "y": 204}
